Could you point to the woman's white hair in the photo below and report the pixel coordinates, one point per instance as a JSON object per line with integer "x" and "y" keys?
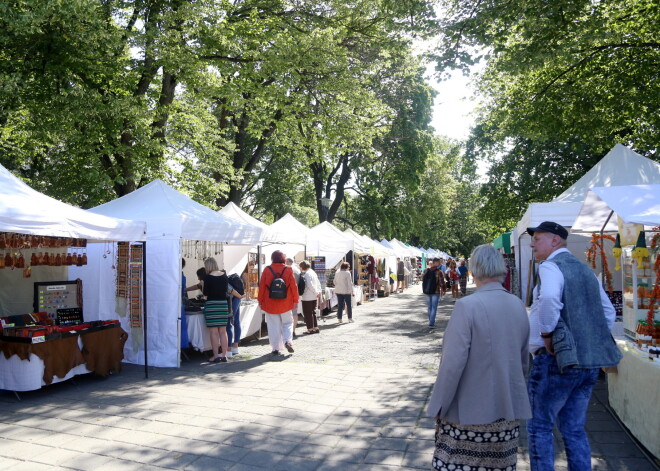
{"x": 211, "y": 265}
{"x": 487, "y": 262}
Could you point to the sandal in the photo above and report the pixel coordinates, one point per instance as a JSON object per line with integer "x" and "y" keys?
{"x": 308, "y": 332}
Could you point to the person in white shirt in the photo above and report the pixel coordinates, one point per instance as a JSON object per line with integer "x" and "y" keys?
{"x": 570, "y": 322}
{"x": 310, "y": 297}
{"x": 344, "y": 291}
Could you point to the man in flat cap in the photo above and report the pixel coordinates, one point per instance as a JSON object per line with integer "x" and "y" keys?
{"x": 570, "y": 322}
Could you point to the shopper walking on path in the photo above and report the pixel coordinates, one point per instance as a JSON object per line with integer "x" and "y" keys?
{"x": 400, "y": 275}
{"x": 344, "y": 291}
{"x": 433, "y": 283}
{"x": 462, "y": 277}
{"x": 484, "y": 352}
{"x": 571, "y": 316}
{"x": 310, "y": 296}
{"x": 278, "y": 293}
{"x": 452, "y": 279}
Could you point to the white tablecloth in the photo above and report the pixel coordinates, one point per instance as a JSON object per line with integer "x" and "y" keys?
{"x": 27, "y": 375}
{"x": 198, "y": 333}
{"x": 634, "y": 393}
{"x": 331, "y": 298}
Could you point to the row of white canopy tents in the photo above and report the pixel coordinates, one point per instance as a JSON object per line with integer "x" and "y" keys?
{"x": 620, "y": 167}
{"x": 170, "y": 223}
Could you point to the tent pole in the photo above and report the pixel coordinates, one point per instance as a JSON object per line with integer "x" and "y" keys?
{"x": 602, "y": 248}
{"x": 144, "y": 307}
{"x": 520, "y": 265}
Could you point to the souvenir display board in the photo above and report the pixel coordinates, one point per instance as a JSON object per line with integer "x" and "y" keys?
{"x": 318, "y": 265}
{"x": 253, "y": 274}
{"x": 129, "y": 279}
{"x": 364, "y": 276}
{"x": 638, "y": 286}
{"x": 51, "y": 296}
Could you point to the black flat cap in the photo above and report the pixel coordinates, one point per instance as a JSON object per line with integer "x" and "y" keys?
{"x": 551, "y": 227}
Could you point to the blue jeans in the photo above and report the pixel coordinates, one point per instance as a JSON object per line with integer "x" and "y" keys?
{"x": 564, "y": 398}
{"x": 432, "y": 303}
{"x": 341, "y": 299}
{"x": 236, "y": 328}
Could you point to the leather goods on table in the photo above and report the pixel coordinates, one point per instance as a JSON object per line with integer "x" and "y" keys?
{"x": 102, "y": 350}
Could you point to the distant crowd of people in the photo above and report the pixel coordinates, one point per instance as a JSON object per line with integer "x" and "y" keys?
{"x": 284, "y": 288}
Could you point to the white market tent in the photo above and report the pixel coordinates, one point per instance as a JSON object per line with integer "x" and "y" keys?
{"x": 289, "y": 230}
{"x": 233, "y": 211}
{"x": 621, "y": 166}
{"x": 327, "y": 240}
{"x": 635, "y": 204}
{"x": 26, "y": 211}
{"x": 360, "y": 244}
{"x": 637, "y": 379}
{"x": 288, "y": 235}
{"x": 171, "y": 218}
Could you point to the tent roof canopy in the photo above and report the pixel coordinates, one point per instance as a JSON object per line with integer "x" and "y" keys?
{"x": 288, "y": 230}
{"x": 26, "y": 211}
{"x": 621, "y": 166}
{"x": 637, "y": 204}
{"x": 173, "y": 215}
{"x": 233, "y": 211}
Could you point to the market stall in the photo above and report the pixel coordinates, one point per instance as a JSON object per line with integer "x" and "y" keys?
{"x": 46, "y": 333}
{"x": 177, "y": 227}
{"x": 634, "y": 390}
{"x": 621, "y": 166}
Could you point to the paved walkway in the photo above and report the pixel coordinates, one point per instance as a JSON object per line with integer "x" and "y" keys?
{"x": 350, "y": 398}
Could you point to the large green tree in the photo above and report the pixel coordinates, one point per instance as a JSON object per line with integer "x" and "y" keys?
{"x": 564, "y": 81}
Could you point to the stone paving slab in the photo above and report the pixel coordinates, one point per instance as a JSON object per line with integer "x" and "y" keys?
{"x": 350, "y": 398}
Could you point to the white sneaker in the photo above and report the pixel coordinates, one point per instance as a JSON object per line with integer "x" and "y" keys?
{"x": 234, "y": 350}
{"x": 228, "y": 354}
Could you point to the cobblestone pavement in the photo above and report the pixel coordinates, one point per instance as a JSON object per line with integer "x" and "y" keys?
{"x": 350, "y": 398}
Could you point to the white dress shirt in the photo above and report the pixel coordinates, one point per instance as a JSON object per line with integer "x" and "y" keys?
{"x": 547, "y": 305}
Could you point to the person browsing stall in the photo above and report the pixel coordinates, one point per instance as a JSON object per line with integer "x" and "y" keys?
{"x": 216, "y": 309}
{"x": 571, "y": 316}
{"x": 310, "y": 297}
{"x": 344, "y": 291}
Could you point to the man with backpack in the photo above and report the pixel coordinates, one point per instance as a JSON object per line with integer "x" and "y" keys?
{"x": 433, "y": 283}
{"x": 278, "y": 293}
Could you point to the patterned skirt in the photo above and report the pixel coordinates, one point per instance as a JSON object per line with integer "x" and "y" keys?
{"x": 216, "y": 313}
{"x": 462, "y": 282}
{"x": 488, "y": 447}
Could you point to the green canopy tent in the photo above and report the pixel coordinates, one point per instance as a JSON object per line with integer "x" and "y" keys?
{"x": 503, "y": 242}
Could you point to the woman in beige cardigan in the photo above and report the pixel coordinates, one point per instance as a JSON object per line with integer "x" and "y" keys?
{"x": 344, "y": 291}
{"x": 480, "y": 393}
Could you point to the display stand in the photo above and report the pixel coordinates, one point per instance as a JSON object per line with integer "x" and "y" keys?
{"x": 634, "y": 391}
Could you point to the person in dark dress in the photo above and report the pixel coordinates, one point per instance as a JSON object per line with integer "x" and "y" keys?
{"x": 216, "y": 309}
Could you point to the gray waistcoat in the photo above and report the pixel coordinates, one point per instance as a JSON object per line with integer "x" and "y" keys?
{"x": 583, "y": 316}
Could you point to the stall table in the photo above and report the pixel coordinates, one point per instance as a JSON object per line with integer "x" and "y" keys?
{"x": 198, "y": 333}
{"x": 28, "y": 366}
{"x": 634, "y": 394}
